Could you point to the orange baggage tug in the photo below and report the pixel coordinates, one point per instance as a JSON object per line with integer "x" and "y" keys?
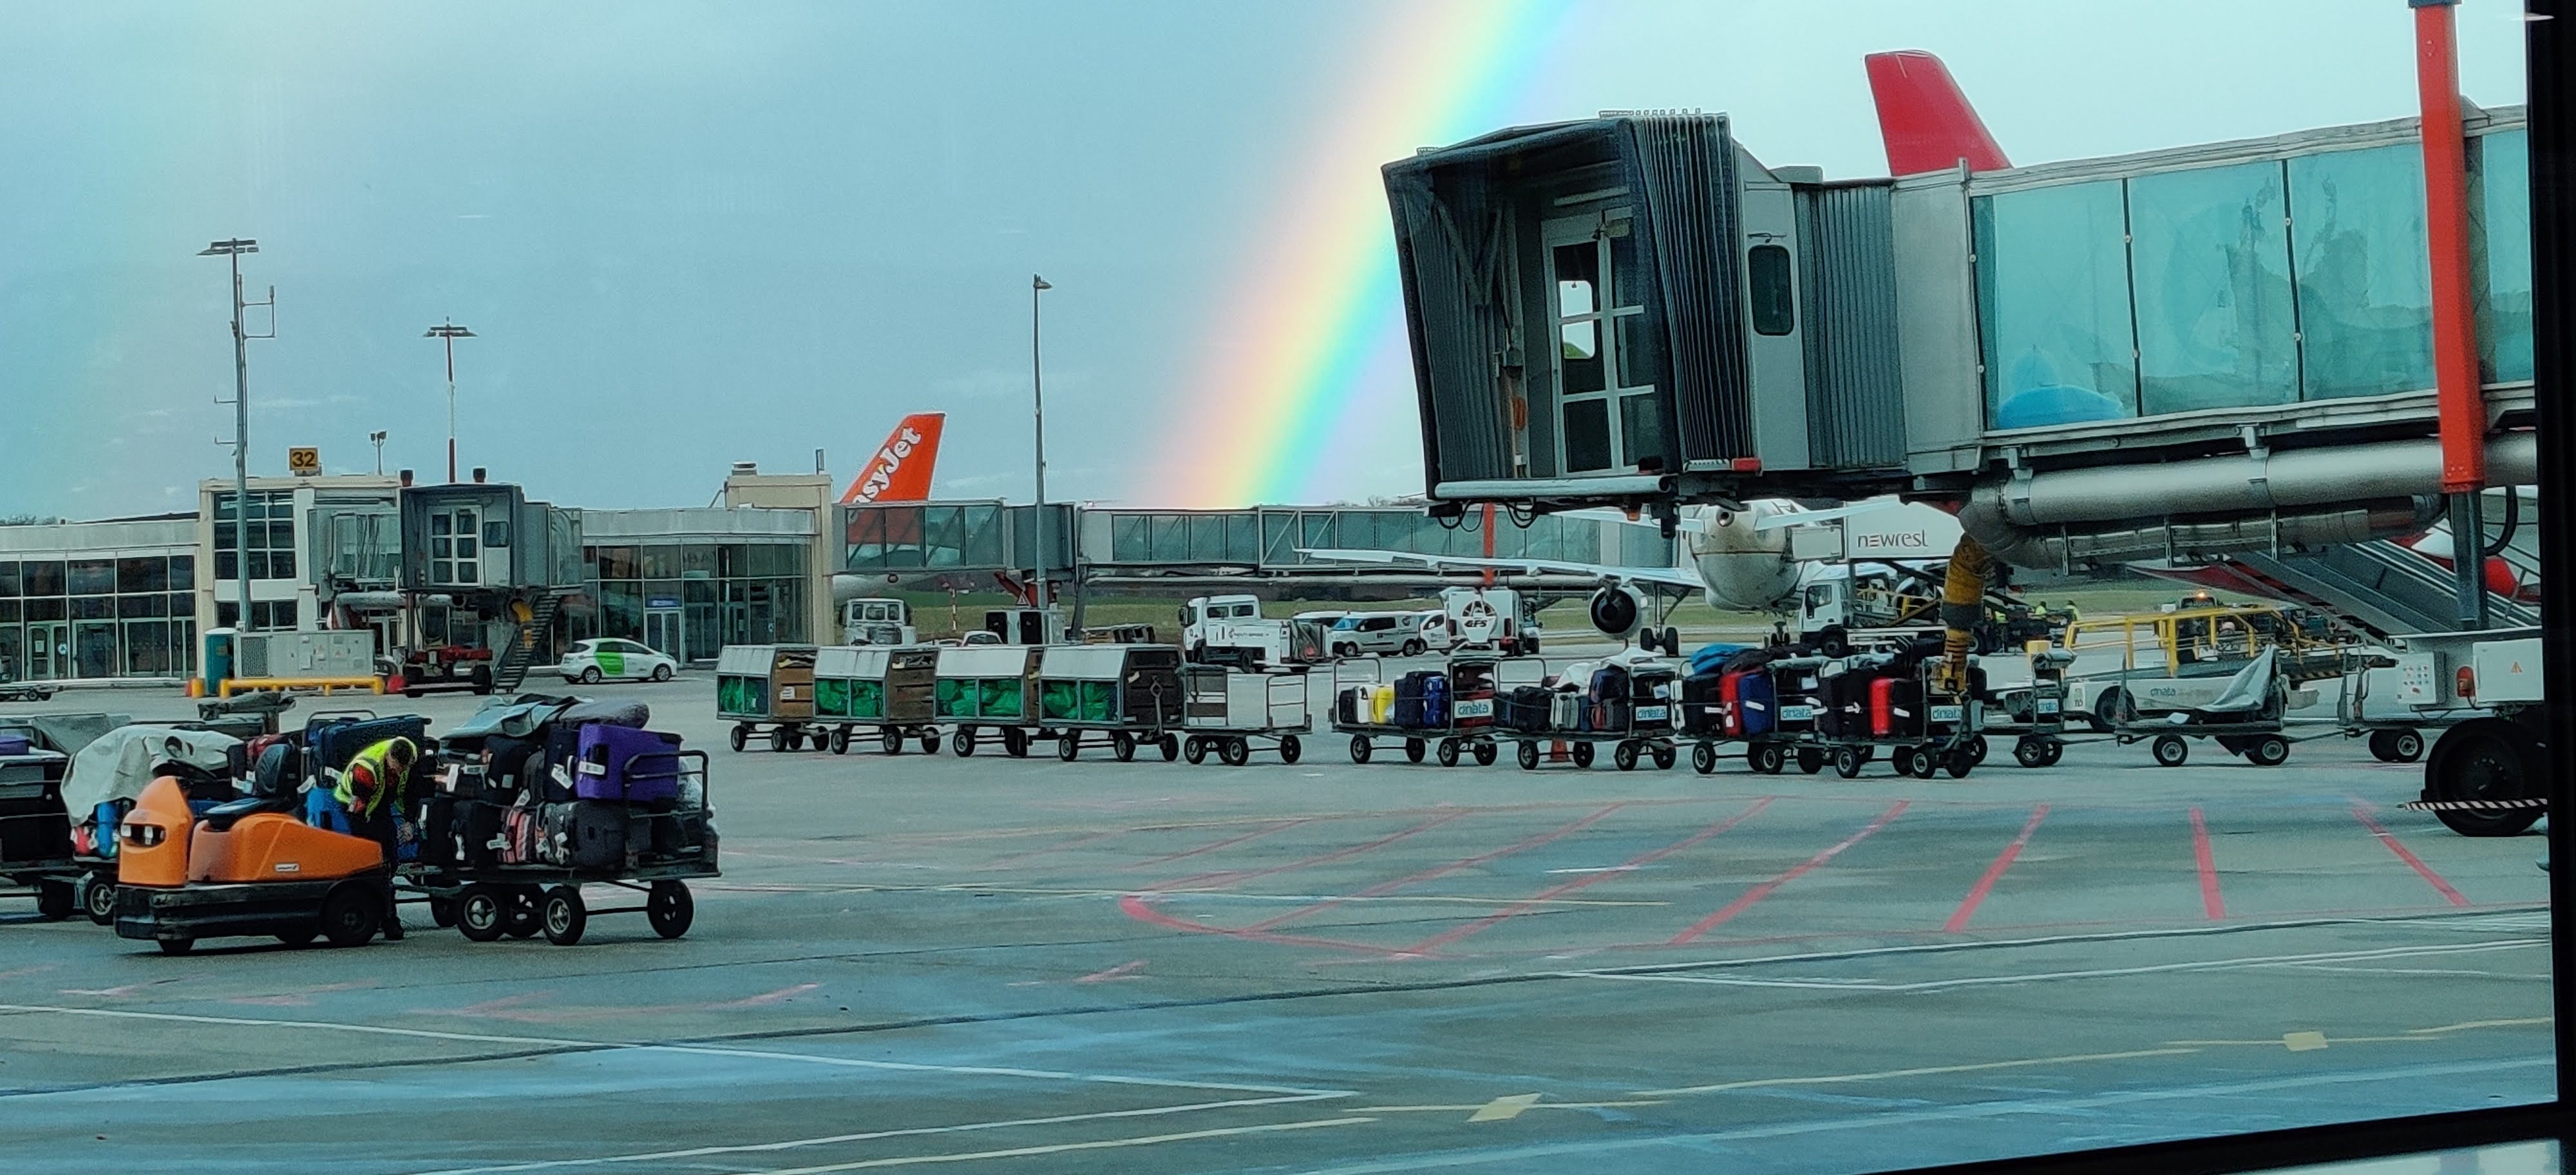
{"x": 247, "y": 868}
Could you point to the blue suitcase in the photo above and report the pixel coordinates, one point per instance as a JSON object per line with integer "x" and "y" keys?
{"x": 1435, "y": 700}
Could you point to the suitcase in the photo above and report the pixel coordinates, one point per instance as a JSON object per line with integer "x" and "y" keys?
{"x": 1435, "y": 699}
{"x": 1842, "y": 706}
{"x": 514, "y": 762}
{"x": 555, "y": 834}
{"x": 438, "y": 830}
{"x": 1756, "y": 708}
{"x": 597, "y": 835}
{"x": 1408, "y": 700}
{"x": 1525, "y": 709}
{"x": 522, "y": 834}
{"x": 1348, "y": 707}
{"x": 478, "y": 834}
{"x": 622, "y": 763}
{"x": 1700, "y": 712}
{"x": 1565, "y": 710}
{"x": 613, "y": 712}
{"x": 15, "y": 744}
{"x": 563, "y": 749}
{"x": 1381, "y": 705}
{"x": 1650, "y": 702}
{"x": 322, "y": 810}
{"x": 332, "y": 742}
{"x": 1895, "y": 710}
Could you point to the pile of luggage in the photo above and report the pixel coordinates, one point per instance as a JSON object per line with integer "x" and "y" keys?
{"x": 1627, "y": 698}
{"x": 563, "y": 783}
{"x": 1748, "y": 693}
{"x": 1460, "y": 697}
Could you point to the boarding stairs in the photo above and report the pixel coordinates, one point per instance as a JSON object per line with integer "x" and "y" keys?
{"x": 2381, "y": 588}
{"x": 526, "y": 642}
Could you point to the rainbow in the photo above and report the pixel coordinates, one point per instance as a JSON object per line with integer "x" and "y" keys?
{"x": 1310, "y": 341}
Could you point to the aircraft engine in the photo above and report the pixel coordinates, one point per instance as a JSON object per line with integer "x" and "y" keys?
{"x": 1743, "y": 567}
{"x": 1618, "y": 611}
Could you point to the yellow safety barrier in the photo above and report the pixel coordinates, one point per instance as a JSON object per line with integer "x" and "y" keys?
{"x": 373, "y": 685}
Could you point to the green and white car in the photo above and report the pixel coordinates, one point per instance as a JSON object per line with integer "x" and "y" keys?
{"x": 609, "y": 658}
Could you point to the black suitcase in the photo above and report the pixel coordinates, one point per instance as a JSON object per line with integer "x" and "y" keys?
{"x": 515, "y": 761}
{"x": 1700, "y": 714}
{"x": 598, "y": 835}
{"x": 477, "y": 827}
{"x": 335, "y": 741}
{"x": 1408, "y": 699}
{"x": 438, "y": 830}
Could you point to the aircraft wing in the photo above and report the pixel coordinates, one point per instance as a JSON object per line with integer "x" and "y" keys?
{"x": 1680, "y": 577}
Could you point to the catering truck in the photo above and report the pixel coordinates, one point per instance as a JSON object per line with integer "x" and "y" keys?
{"x": 1230, "y": 630}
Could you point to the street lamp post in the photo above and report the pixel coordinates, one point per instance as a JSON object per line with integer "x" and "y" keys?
{"x": 448, "y": 332}
{"x": 233, "y": 249}
{"x": 378, "y": 439}
{"x": 1037, "y": 400}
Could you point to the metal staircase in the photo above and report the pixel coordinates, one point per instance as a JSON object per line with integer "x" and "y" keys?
{"x": 2382, "y": 588}
{"x": 525, "y": 641}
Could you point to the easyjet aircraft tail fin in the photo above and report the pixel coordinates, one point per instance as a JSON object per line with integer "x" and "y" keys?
{"x": 899, "y": 471}
{"x": 1924, "y": 119}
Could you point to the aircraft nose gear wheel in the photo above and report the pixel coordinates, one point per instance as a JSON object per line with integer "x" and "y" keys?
{"x": 1529, "y": 756}
{"x": 1765, "y": 758}
{"x": 1448, "y": 752}
{"x": 1486, "y": 753}
{"x": 963, "y": 741}
{"x": 2170, "y": 750}
{"x": 565, "y": 916}
{"x": 1359, "y": 748}
{"x": 1194, "y": 751}
{"x": 1704, "y": 759}
{"x": 1235, "y": 751}
{"x": 1847, "y": 762}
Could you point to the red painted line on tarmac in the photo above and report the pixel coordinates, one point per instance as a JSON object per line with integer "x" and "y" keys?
{"x": 1994, "y": 873}
{"x": 1140, "y": 907}
{"x": 1487, "y": 922}
{"x": 2407, "y": 855}
{"x": 2211, "y": 903}
{"x": 1237, "y": 839}
{"x": 1230, "y": 877}
{"x": 1727, "y": 912}
{"x": 1385, "y": 887}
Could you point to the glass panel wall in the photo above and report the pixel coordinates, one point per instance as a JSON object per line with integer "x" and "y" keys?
{"x": 2500, "y": 248}
{"x": 2053, "y": 292}
{"x": 2210, "y": 258}
{"x": 97, "y": 617}
{"x": 2365, "y": 285}
{"x": 725, "y": 593}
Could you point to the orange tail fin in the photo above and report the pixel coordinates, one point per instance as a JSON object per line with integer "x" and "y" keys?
{"x": 899, "y": 471}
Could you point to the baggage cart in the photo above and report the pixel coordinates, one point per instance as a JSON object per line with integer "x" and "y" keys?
{"x": 1841, "y": 712}
{"x": 881, "y": 688}
{"x": 36, "y": 850}
{"x": 768, "y": 688}
{"x": 2246, "y": 718}
{"x": 1633, "y": 707}
{"x": 1117, "y": 696}
{"x": 665, "y": 847}
{"x": 1234, "y": 712}
{"x": 1443, "y": 713}
{"x": 989, "y": 687}
{"x": 107, "y": 767}
{"x": 2034, "y": 717}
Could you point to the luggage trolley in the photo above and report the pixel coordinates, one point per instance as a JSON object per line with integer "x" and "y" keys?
{"x": 2245, "y": 719}
{"x": 1845, "y": 719}
{"x": 1454, "y": 706}
{"x": 1635, "y": 707}
{"x": 877, "y": 688}
{"x": 107, "y": 768}
{"x": 36, "y": 849}
{"x": 1232, "y": 711}
{"x": 1118, "y": 696}
{"x": 2035, "y": 717}
{"x": 768, "y": 687}
{"x": 983, "y": 687}
{"x": 657, "y": 852}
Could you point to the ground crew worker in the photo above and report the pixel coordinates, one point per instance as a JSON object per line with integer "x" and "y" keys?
{"x": 371, "y": 791}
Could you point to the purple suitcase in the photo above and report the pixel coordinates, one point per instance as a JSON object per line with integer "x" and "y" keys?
{"x": 623, "y": 763}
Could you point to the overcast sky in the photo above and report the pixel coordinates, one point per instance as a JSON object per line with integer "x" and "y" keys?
{"x": 691, "y": 234}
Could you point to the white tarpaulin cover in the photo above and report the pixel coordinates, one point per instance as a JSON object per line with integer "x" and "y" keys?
{"x": 120, "y": 763}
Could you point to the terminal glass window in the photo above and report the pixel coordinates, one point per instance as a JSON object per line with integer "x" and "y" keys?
{"x": 2053, "y": 305}
{"x": 271, "y": 534}
{"x": 2500, "y": 248}
{"x": 2210, "y": 256}
{"x": 2365, "y": 284}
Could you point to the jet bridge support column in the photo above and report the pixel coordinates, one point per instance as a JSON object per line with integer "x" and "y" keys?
{"x": 2455, "y": 342}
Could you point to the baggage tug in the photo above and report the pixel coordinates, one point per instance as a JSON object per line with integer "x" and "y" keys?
{"x": 243, "y": 869}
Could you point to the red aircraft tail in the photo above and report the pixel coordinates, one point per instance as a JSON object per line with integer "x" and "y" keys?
{"x": 899, "y": 471}
{"x": 1924, "y": 119}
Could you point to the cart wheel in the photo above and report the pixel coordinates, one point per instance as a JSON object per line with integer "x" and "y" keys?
{"x": 1413, "y": 749}
{"x": 1194, "y": 751}
{"x": 1123, "y": 745}
{"x": 840, "y": 740}
{"x": 670, "y": 908}
{"x": 1290, "y": 748}
{"x": 1624, "y": 756}
{"x": 741, "y": 735}
{"x": 782, "y": 738}
{"x": 1959, "y": 762}
{"x": 566, "y": 917}
{"x": 2056, "y": 751}
{"x": 1235, "y": 751}
{"x": 963, "y": 741}
{"x": 2170, "y": 750}
{"x": 352, "y": 914}
{"x": 1447, "y": 754}
{"x": 890, "y": 738}
{"x": 1359, "y": 748}
{"x": 1528, "y": 755}
{"x": 1811, "y": 759}
{"x": 930, "y": 741}
{"x": 2408, "y": 746}
{"x": 1916, "y": 761}
{"x": 442, "y": 912}
{"x": 1977, "y": 748}
{"x": 1664, "y": 756}
{"x": 2030, "y": 750}
{"x": 54, "y": 900}
{"x": 2380, "y": 747}
{"x": 1068, "y": 746}
{"x": 1847, "y": 762}
{"x": 97, "y": 895}
{"x": 1171, "y": 744}
{"x": 1765, "y": 758}
{"x": 1015, "y": 742}
{"x": 524, "y": 918}
{"x": 1583, "y": 754}
{"x": 1486, "y": 753}
{"x": 480, "y": 913}
{"x": 1704, "y": 758}
{"x": 2271, "y": 750}
{"x": 176, "y": 946}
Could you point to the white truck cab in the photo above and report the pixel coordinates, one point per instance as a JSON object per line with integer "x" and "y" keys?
{"x": 1230, "y": 630}
{"x": 877, "y": 621}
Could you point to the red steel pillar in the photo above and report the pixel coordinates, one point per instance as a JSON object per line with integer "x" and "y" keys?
{"x": 2446, "y": 223}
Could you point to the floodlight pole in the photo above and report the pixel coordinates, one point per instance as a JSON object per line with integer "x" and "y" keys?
{"x": 233, "y": 250}
{"x": 1037, "y": 399}
{"x": 448, "y": 332}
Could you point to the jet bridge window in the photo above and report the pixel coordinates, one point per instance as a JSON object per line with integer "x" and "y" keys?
{"x": 1605, "y": 356}
{"x": 1775, "y": 307}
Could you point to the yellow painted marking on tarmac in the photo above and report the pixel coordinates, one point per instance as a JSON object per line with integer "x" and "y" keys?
{"x": 1063, "y": 1147}
{"x": 1924, "y": 1071}
{"x": 1504, "y": 1108}
{"x": 2407, "y": 1036}
{"x": 2303, "y": 1042}
{"x": 1470, "y": 1107}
